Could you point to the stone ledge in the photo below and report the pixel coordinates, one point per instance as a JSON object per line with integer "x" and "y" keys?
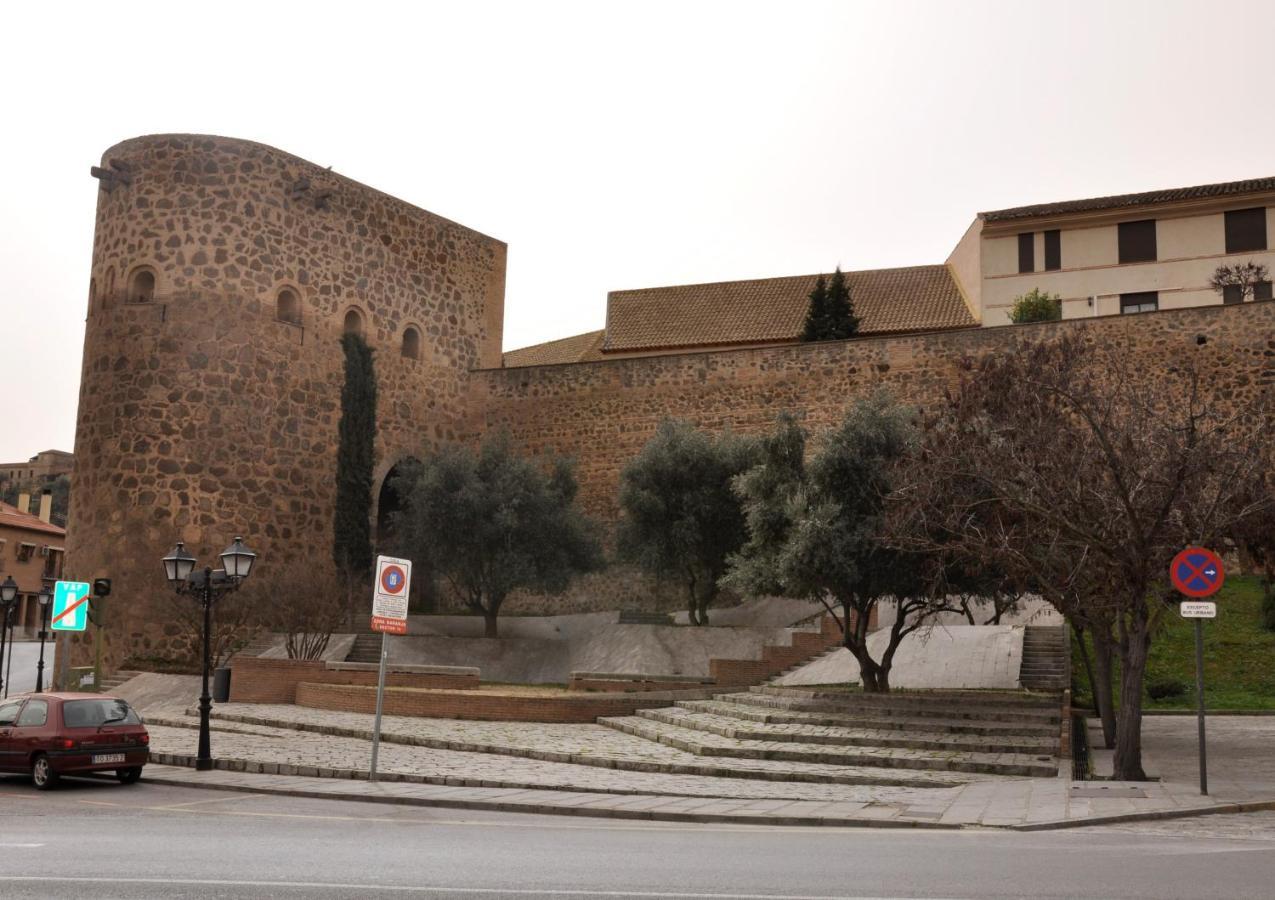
{"x": 405, "y": 669}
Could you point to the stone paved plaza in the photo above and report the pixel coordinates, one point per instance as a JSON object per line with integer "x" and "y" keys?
{"x": 501, "y": 772}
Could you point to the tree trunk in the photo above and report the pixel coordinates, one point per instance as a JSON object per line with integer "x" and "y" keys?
{"x": 489, "y": 623}
{"x": 692, "y": 600}
{"x": 1133, "y": 666}
{"x": 1103, "y": 694}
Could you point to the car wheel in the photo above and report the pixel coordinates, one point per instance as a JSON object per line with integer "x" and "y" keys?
{"x": 42, "y": 773}
{"x": 129, "y": 776}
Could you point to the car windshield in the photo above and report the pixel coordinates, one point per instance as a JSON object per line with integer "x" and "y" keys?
{"x": 88, "y": 713}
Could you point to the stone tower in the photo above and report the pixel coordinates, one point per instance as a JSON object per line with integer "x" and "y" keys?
{"x": 224, "y": 273}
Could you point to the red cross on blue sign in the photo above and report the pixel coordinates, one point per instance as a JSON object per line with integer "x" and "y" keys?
{"x": 1197, "y": 572}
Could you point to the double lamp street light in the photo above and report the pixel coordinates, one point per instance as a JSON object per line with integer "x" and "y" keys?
{"x": 206, "y": 587}
{"x": 8, "y": 597}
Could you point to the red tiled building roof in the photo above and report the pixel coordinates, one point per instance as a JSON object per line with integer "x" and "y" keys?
{"x": 768, "y": 310}
{"x": 10, "y": 517}
{"x": 1120, "y": 201}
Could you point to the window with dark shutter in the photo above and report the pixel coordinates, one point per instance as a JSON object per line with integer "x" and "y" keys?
{"x": 1262, "y": 290}
{"x": 1053, "y": 250}
{"x": 1027, "y": 252}
{"x": 1232, "y": 293}
{"x": 1142, "y": 301}
{"x": 1137, "y": 241}
{"x": 1245, "y": 230}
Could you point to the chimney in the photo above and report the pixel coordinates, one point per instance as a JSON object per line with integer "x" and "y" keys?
{"x": 46, "y": 506}
{"x": 24, "y": 502}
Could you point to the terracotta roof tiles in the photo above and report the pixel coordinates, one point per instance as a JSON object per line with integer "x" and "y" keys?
{"x": 887, "y": 301}
{"x": 1119, "y": 201}
{"x": 577, "y": 348}
{"x": 10, "y": 517}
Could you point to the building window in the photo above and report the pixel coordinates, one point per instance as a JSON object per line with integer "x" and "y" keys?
{"x": 1137, "y": 241}
{"x": 1262, "y": 290}
{"x": 141, "y": 286}
{"x": 1142, "y": 301}
{"x": 1053, "y": 250}
{"x": 411, "y": 343}
{"x": 288, "y": 307}
{"x": 1027, "y": 252}
{"x": 1232, "y": 293}
{"x": 353, "y": 322}
{"x": 1245, "y": 230}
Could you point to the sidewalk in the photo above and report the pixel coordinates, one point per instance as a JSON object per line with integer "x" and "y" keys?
{"x": 273, "y": 760}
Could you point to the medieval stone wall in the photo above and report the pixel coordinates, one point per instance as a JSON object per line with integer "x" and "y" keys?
{"x": 203, "y": 412}
{"x": 602, "y": 413}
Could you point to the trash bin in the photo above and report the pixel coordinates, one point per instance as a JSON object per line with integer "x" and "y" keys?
{"x": 221, "y": 685}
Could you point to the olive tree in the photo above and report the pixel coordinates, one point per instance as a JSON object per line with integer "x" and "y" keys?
{"x": 681, "y": 517}
{"x": 489, "y": 522}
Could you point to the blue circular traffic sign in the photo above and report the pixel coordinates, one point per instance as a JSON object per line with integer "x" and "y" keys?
{"x": 1197, "y": 572}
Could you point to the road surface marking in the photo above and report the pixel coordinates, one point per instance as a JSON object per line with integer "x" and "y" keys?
{"x": 21, "y": 845}
{"x": 442, "y": 889}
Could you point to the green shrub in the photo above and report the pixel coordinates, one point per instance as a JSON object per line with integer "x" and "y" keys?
{"x": 1165, "y": 689}
{"x": 1036, "y": 306}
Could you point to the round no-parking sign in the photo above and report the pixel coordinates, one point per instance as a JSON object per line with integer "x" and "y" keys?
{"x": 1197, "y": 572}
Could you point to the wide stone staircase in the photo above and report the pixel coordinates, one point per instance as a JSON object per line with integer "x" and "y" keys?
{"x": 1044, "y": 661}
{"x": 977, "y": 733}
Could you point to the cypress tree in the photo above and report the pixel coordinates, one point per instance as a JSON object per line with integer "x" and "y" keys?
{"x": 356, "y": 433}
{"x": 842, "y": 322}
{"x": 816, "y": 313}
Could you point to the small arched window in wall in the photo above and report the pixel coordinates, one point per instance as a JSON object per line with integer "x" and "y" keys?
{"x": 411, "y": 343}
{"x": 288, "y": 306}
{"x": 353, "y": 322}
{"x": 141, "y": 286}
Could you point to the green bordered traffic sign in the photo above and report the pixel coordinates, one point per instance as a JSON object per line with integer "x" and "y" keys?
{"x": 70, "y": 606}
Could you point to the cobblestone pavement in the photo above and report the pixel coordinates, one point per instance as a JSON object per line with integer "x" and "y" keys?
{"x": 582, "y": 744}
{"x": 297, "y": 748}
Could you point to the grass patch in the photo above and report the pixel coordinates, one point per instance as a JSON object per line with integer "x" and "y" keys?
{"x": 1239, "y": 655}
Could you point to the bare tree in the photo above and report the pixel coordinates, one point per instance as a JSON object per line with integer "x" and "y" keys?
{"x": 305, "y": 601}
{"x": 1243, "y": 277}
{"x": 1092, "y": 476}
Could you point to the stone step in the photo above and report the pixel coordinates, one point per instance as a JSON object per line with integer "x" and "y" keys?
{"x": 1014, "y": 699}
{"x": 841, "y": 736}
{"x": 868, "y": 720}
{"x": 850, "y": 703}
{"x": 703, "y": 744}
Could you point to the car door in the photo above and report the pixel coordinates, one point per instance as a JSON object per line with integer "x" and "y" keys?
{"x": 29, "y": 733}
{"x": 9, "y": 754}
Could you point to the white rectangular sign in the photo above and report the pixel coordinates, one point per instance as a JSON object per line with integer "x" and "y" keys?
{"x": 1198, "y": 609}
{"x": 390, "y": 593}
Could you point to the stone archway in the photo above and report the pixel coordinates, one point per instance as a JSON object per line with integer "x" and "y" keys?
{"x": 389, "y": 502}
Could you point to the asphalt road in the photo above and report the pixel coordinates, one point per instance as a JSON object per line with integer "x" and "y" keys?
{"x": 104, "y": 840}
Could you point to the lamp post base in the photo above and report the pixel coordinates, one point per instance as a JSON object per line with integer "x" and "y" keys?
{"x": 203, "y": 765}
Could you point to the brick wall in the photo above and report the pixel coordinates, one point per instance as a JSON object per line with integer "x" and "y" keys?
{"x": 488, "y": 706}
{"x": 257, "y": 680}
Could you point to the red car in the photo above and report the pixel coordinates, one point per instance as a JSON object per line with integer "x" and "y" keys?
{"x": 50, "y": 735}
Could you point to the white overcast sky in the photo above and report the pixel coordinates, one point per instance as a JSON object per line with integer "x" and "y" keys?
{"x": 619, "y": 145}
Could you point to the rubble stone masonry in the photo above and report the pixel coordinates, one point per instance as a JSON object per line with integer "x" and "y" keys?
{"x": 209, "y": 401}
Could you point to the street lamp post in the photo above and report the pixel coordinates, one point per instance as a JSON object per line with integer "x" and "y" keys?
{"x": 46, "y": 599}
{"x": 206, "y": 587}
{"x": 8, "y": 595}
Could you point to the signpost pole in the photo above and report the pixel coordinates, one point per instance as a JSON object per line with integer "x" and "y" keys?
{"x": 380, "y": 697}
{"x": 1199, "y": 701}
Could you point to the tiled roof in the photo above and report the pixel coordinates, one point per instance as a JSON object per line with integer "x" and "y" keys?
{"x": 1119, "y": 201}
{"x": 887, "y": 301}
{"x": 11, "y": 518}
{"x": 577, "y": 348}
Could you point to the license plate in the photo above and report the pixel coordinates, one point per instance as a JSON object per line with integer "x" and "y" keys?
{"x": 104, "y": 758}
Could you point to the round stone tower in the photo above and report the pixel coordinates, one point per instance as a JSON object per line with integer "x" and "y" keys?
{"x": 224, "y": 273}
